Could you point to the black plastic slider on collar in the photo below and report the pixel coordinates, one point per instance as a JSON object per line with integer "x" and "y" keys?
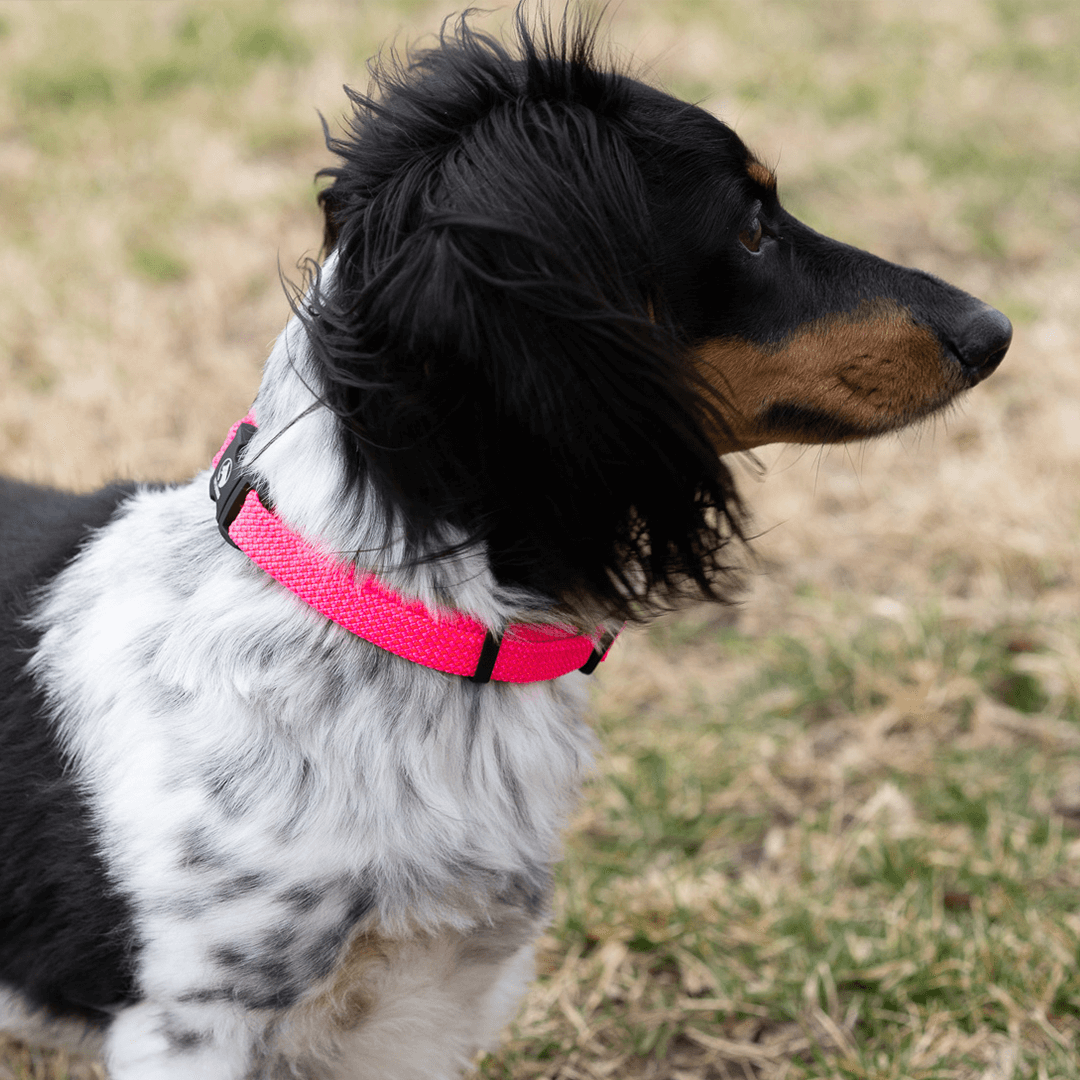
{"x": 228, "y": 484}
{"x": 489, "y": 654}
{"x": 599, "y": 652}
{"x": 485, "y": 665}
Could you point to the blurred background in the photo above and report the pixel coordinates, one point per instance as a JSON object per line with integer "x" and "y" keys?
{"x": 835, "y": 829}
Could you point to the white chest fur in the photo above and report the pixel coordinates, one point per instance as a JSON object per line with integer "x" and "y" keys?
{"x": 267, "y": 786}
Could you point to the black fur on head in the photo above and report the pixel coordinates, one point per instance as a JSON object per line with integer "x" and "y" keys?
{"x": 496, "y": 336}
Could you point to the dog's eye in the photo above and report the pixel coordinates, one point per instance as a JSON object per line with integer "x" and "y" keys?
{"x": 751, "y": 238}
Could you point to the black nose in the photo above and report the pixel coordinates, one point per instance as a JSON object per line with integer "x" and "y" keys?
{"x": 982, "y": 341}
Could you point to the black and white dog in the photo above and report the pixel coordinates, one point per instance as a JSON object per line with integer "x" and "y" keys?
{"x": 283, "y": 775}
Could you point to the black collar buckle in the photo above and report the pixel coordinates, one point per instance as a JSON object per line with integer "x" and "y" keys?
{"x": 228, "y": 484}
{"x": 600, "y": 650}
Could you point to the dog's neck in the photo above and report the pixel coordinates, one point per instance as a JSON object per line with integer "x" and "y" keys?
{"x": 296, "y": 458}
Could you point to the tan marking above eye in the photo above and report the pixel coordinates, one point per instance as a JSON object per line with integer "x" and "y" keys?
{"x": 761, "y": 174}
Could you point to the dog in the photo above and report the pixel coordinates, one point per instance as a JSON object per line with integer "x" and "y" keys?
{"x": 285, "y": 767}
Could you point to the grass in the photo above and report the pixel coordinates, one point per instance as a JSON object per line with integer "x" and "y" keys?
{"x": 156, "y": 264}
{"x": 220, "y": 48}
{"x": 854, "y": 869}
{"x": 832, "y": 832}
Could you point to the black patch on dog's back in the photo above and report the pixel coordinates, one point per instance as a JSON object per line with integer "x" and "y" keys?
{"x": 66, "y": 937}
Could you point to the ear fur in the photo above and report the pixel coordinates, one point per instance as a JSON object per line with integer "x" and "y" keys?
{"x": 494, "y": 336}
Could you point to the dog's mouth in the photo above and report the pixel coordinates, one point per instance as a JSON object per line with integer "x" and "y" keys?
{"x": 794, "y": 422}
{"x": 848, "y": 376}
{"x": 791, "y": 421}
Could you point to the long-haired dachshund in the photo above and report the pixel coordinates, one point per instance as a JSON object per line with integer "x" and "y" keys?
{"x": 284, "y": 768}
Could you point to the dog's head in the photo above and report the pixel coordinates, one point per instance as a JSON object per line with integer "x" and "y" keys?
{"x": 560, "y": 295}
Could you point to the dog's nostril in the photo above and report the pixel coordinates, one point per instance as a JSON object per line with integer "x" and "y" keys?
{"x": 983, "y": 340}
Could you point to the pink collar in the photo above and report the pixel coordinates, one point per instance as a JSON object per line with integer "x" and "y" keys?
{"x": 445, "y": 640}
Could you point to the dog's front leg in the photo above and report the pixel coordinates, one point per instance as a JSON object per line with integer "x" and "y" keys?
{"x": 185, "y": 1041}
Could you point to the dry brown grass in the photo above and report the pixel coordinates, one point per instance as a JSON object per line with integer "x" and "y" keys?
{"x": 906, "y": 596}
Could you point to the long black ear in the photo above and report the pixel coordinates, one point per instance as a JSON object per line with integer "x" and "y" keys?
{"x": 495, "y": 338}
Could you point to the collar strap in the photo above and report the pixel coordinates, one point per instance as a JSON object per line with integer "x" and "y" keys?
{"x": 444, "y": 640}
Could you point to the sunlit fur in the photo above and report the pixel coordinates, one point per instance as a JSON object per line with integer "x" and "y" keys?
{"x": 239, "y": 843}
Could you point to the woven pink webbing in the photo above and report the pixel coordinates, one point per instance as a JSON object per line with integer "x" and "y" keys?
{"x": 447, "y": 641}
